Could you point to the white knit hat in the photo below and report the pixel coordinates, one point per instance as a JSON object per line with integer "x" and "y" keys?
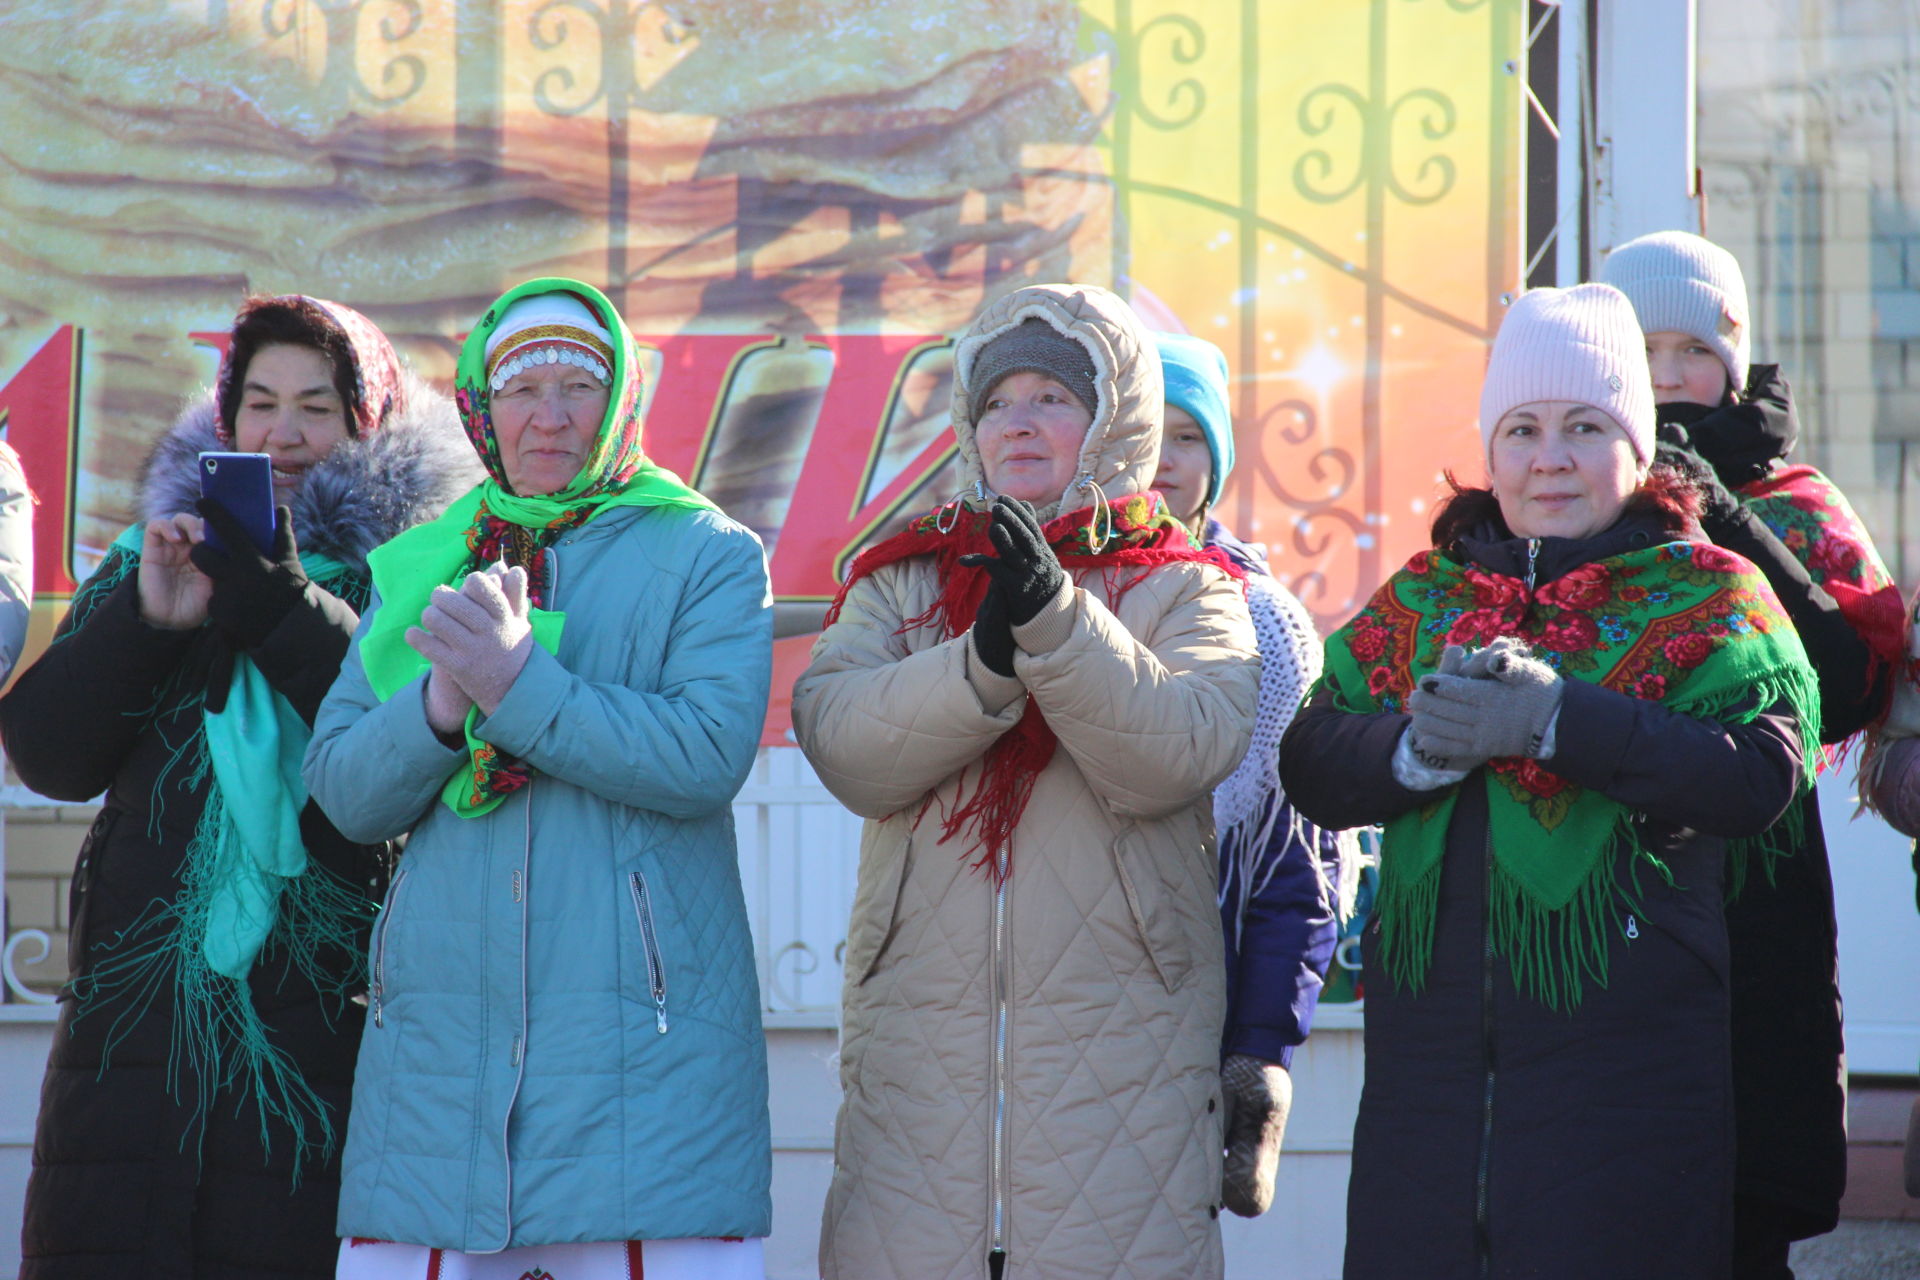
{"x": 1579, "y": 344}
{"x": 1681, "y": 283}
{"x": 548, "y": 328}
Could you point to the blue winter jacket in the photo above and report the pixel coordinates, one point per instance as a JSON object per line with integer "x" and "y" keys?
{"x": 563, "y": 1040}
{"x": 1278, "y": 953}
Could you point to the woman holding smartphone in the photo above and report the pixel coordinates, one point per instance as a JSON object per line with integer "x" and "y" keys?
{"x": 190, "y": 1115}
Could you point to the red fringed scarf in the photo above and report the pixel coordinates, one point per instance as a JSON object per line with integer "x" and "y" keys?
{"x": 1808, "y": 513}
{"x": 1144, "y": 535}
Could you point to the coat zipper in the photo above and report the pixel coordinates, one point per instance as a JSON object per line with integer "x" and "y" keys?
{"x": 1481, "y": 1217}
{"x": 656, "y": 970}
{"x": 524, "y": 899}
{"x": 997, "y": 1175}
{"x": 377, "y": 992}
{"x": 1533, "y": 556}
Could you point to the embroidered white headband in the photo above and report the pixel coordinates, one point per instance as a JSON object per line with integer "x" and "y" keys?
{"x": 548, "y": 328}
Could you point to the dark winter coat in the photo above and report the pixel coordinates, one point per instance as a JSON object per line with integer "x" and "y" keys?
{"x": 1500, "y": 1138}
{"x": 125, "y": 1181}
{"x": 1278, "y": 951}
{"x": 1789, "y": 1074}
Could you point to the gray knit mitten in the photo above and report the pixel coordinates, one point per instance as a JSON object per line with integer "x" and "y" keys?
{"x": 1259, "y": 1094}
{"x": 1468, "y": 721}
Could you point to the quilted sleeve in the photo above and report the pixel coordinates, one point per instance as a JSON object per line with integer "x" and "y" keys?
{"x": 1153, "y": 721}
{"x": 883, "y": 726}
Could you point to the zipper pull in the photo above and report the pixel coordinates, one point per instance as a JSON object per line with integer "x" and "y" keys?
{"x": 1633, "y": 928}
{"x": 1533, "y": 555}
{"x": 660, "y": 1016}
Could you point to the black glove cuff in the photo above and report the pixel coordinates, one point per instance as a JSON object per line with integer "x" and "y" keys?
{"x": 246, "y": 610}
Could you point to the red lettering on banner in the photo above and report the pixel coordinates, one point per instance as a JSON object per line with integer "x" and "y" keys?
{"x": 696, "y": 370}
{"x": 40, "y": 417}
{"x": 832, "y": 514}
{"x": 219, "y": 340}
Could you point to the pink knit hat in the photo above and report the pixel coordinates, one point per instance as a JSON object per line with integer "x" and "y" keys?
{"x": 1581, "y": 344}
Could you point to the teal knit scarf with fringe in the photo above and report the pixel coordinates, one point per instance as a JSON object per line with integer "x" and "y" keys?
{"x": 248, "y": 884}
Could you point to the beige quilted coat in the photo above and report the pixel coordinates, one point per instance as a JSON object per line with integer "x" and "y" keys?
{"x": 1035, "y": 1068}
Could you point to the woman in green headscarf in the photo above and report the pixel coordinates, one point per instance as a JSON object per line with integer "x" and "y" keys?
{"x": 556, "y": 694}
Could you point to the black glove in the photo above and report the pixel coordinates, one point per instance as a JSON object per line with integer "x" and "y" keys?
{"x": 993, "y": 633}
{"x": 1026, "y": 569}
{"x": 1719, "y": 506}
{"x": 251, "y": 592}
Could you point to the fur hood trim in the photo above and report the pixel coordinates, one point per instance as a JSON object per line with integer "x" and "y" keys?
{"x": 365, "y": 492}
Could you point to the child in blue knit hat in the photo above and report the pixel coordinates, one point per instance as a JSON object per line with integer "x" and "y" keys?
{"x": 1278, "y": 873}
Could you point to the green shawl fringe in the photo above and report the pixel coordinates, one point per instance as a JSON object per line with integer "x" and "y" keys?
{"x": 219, "y": 1042}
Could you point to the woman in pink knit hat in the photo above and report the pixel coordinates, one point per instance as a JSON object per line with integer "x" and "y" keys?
{"x": 1568, "y": 714}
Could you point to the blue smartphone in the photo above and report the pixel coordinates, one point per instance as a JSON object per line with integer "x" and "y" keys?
{"x": 243, "y": 484}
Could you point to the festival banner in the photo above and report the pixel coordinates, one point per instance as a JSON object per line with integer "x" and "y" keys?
{"x": 796, "y": 206}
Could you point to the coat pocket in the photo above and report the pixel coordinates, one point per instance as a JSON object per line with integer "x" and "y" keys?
{"x": 1153, "y": 902}
{"x": 656, "y": 962}
{"x": 379, "y": 988}
{"x": 876, "y": 898}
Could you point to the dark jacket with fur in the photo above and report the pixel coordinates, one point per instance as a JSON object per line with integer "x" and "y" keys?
{"x": 124, "y": 1182}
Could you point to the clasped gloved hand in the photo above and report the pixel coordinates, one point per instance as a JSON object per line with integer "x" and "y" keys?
{"x": 1425, "y": 750}
{"x": 252, "y": 592}
{"x": 993, "y": 632}
{"x": 1719, "y": 505}
{"x": 1025, "y": 569}
{"x": 1462, "y": 721}
{"x": 1258, "y": 1094}
{"x": 480, "y": 634}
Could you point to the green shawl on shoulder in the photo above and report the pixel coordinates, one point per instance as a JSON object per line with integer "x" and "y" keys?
{"x": 1684, "y": 624}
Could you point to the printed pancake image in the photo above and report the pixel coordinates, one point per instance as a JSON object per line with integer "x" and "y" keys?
{"x": 737, "y": 167}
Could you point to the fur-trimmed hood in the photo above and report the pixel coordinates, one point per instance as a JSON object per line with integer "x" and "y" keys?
{"x": 366, "y": 491}
{"x": 1121, "y": 450}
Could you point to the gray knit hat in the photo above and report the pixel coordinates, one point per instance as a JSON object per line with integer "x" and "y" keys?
{"x": 1681, "y": 283}
{"x": 1033, "y": 346}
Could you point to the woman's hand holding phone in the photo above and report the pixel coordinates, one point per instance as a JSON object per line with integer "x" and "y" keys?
{"x": 173, "y": 594}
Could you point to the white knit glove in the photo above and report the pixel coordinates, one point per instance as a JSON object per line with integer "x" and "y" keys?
{"x": 480, "y": 634}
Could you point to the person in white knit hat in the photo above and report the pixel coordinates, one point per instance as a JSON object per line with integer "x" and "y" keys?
{"x": 1565, "y": 714}
{"x": 1730, "y": 422}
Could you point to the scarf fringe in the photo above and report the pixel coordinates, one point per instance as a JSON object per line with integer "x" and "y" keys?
{"x": 1553, "y": 952}
{"x": 1148, "y": 538}
{"x": 1000, "y": 793}
{"x": 1800, "y": 688}
{"x": 219, "y": 1040}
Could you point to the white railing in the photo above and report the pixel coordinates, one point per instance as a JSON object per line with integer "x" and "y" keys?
{"x": 16, "y": 990}
{"x": 799, "y": 850}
